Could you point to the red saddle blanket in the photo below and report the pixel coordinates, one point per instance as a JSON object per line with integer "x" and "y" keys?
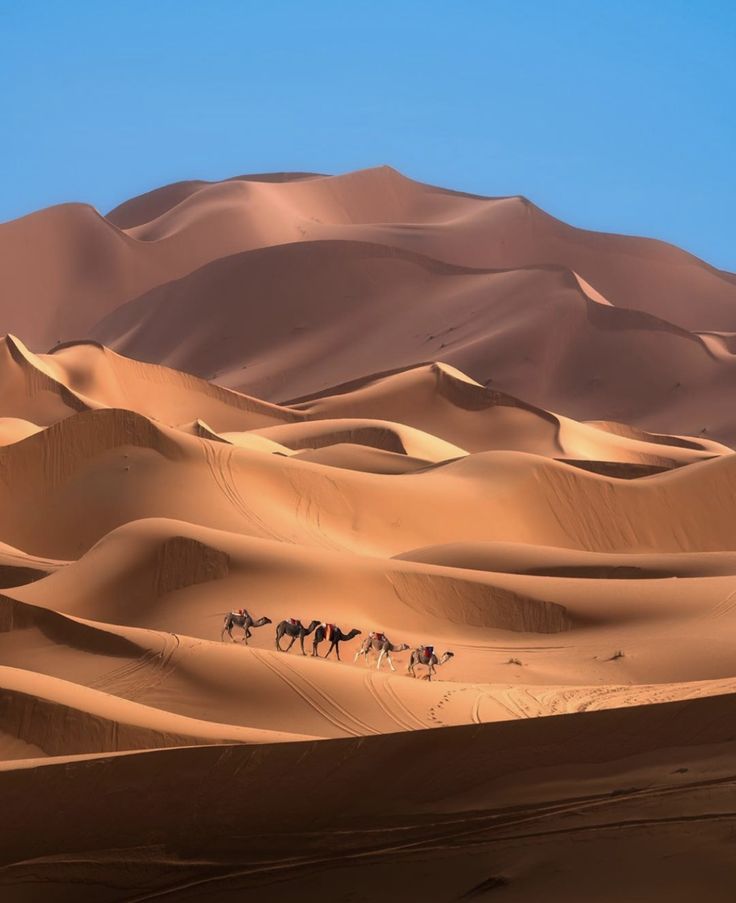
{"x": 294, "y": 622}
{"x": 381, "y": 637}
{"x": 329, "y": 632}
{"x": 427, "y": 651}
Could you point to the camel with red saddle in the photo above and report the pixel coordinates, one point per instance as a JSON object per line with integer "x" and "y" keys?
{"x": 425, "y": 655}
{"x": 334, "y": 636}
{"x": 379, "y": 642}
{"x": 295, "y": 630}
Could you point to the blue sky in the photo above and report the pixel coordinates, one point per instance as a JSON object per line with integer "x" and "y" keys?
{"x": 611, "y": 115}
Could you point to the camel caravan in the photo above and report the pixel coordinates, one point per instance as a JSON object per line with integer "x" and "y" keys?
{"x": 375, "y": 642}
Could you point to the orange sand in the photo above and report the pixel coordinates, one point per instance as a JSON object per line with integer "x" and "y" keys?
{"x": 397, "y": 408}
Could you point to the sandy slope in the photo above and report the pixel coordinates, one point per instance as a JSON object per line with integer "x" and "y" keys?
{"x": 463, "y": 813}
{"x": 298, "y": 318}
{"x": 444, "y": 401}
{"x": 68, "y": 485}
{"x": 482, "y": 429}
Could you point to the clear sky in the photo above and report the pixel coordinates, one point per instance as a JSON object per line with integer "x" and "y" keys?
{"x": 617, "y": 115}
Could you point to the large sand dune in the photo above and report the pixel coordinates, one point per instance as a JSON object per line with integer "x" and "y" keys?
{"x": 292, "y": 269}
{"x": 363, "y": 401}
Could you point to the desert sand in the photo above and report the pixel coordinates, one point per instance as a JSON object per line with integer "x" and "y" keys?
{"x": 366, "y": 402}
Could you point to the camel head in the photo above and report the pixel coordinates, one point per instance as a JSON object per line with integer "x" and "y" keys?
{"x": 445, "y": 658}
{"x": 353, "y": 633}
{"x": 401, "y": 647}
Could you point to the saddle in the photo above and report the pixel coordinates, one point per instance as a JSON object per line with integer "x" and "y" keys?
{"x": 381, "y": 637}
{"x": 426, "y": 651}
{"x": 329, "y": 632}
{"x": 294, "y": 622}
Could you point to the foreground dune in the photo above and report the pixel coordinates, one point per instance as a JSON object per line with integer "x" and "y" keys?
{"x": 362, "y": 402}
{"x": 318, "y": 822}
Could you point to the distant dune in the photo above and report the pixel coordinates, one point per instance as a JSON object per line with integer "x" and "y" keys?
{"x": 293, "y": 267}
{"x": 364, "y": 402}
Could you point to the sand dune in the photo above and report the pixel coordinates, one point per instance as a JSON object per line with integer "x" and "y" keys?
{"x": 512, "y": 805}
{"x": 13, "y": 429}
{"x": 444, "y": 401}
{"x": 264, "y": 250}
{"x": 17, "y": 567}
{"x": 69, "y": 719}
{"x": 380, "y": 434}
{"x": 363, "y": 458}
{"x": 510, "y": 558}
{"x": 436, "y": 399}
{"x": 86, "y": 376}
{"x": 366, "y": 402}
{"x": 474, "y": 231}
{"x": 493, "y": 325}
{"x": 114, "y": 466}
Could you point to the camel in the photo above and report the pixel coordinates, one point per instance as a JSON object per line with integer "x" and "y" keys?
{"x": 296, "y": 630}
{"x": 241, "y": 619}
{"x": 425, "y": 655}
{"x": 379, "y": 642}
{"x": 334, "y": 636}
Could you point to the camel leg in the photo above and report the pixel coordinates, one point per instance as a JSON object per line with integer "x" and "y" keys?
{"x": 390, "y": 661}
{"x": 278, "y": 644}
{"x": 337, "y": 649}
{"x": 293, "y": 640}
{"x": 380, "y": 659}
{"x": 301, "y": 640}
{"x": 315, "y": 651}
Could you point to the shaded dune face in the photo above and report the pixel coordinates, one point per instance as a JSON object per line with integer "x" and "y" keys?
{"x": 182, "y": 562}
{"x": 363, "y": 402}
